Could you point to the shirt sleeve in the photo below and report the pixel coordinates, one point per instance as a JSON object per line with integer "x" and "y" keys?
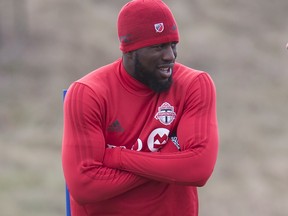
{"x": 83, "y": 150}
{"x": 197, "y": 134}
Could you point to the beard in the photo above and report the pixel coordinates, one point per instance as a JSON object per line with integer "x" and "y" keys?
{"x": 149, "y": 79}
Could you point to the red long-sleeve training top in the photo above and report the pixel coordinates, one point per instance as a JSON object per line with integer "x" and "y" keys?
{"x": 119, "y": 152}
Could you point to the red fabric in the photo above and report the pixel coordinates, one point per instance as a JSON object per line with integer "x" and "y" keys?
{"x": 108, "y": 108}
{"x": 144, "y": 23}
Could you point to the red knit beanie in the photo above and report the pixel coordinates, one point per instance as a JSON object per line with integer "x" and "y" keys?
{"x": 144, "y": 23}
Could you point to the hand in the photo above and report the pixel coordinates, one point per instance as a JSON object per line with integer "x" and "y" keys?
{"x": 112, "y": 157}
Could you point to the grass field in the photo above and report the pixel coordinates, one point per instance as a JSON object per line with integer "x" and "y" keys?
{"x": 45, "y": 45}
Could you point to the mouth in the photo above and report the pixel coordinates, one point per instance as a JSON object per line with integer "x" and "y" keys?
{"x": 165, "y": 71}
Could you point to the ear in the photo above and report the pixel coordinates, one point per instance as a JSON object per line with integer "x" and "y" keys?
{"x": 129, "y": 54}
{"x": 129, "y": 61}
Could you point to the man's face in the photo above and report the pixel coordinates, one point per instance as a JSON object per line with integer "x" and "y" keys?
{"x": 153, "y": 65}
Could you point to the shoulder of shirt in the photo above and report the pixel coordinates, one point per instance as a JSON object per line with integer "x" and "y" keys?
{"x": 184, "y": 73}
{"x": 101, "y": 76}
{"x": 185, "y": 78}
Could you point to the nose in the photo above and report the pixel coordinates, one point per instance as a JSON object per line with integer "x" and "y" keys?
{"x": 169, "y": 53}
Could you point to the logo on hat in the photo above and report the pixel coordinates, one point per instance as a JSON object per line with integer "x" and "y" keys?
{"x": 159, "y": 27}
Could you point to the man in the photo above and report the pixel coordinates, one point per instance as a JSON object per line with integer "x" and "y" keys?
{"x": 140, "y": 134}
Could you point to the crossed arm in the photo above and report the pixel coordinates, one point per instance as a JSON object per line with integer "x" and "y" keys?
{"x": 96, "y": 173}
{"x": 83, "y": 149}
{"x": 198, "y": 138}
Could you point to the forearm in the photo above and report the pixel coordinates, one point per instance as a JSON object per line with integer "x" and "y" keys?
{"x": 197, "y": 133}
{"x": 83, "y": 150}
{"x": 92, "y": 182}
{"x": 190, "y": 167}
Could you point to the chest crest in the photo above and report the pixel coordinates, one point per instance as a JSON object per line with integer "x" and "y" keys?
{"x": 165, "y": 114}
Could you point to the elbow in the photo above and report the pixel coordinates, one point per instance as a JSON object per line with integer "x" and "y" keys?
{"x": 206, "y": 167}
{"x": 82, "y": 193}
{"x": 202, "y": 179}
{"x": 83, "y": 188}
{"x": 196, "y": 179}
{"x": 79, "y": 193}
{"x": 201, "y": 174}
{"x": 205, "y": 173}
{"x": 202, "y": 182}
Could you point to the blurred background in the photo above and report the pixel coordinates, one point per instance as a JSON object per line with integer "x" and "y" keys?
{"x": 45, "y": 45}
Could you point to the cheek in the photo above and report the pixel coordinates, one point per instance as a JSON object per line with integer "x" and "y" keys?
{"x": 147, "y": 61}
{"x": 175, "y": 53}
{"x": 148, "y": 65}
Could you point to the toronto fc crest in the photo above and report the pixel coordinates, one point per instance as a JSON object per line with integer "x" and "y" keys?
{"x": 159, "y": 27}
{"x": 165, "y": 114}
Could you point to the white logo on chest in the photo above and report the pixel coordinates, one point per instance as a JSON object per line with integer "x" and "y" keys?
{"x": 165, "y": 114}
